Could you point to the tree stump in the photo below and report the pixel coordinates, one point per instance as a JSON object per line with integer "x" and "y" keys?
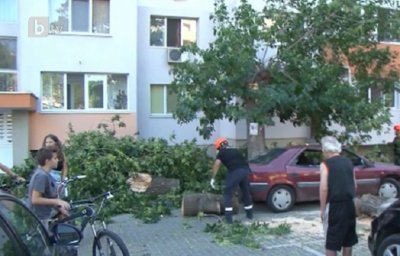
{"x": 143, "y": 182}
{"x": 193, "y": 204}
{"x": 372, "y": 205}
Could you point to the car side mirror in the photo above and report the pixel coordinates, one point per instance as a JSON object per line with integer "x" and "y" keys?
{"x": 365, "y": 163}
{"x": 66, "y": 234}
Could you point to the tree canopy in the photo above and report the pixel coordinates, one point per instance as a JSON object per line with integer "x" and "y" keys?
{"x": 291, "y": 60}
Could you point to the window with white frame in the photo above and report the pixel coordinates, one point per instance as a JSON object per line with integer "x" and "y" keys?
{"x": 397, "y": 97}
{"x": 172, "y": 32}
{"x": 388, "y": 25}
{"x": 87, "y": 16}
{"x": 78, "y": 91}
{"x": 8, "y": 11}
{"x": 346, "y": 75}
{"x": 390, "y": 99}
{"x": 162, "y": 100}
{"x": 8, "y": 64}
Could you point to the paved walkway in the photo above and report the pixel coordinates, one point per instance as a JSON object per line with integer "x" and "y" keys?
{"x": 176, "y": 235}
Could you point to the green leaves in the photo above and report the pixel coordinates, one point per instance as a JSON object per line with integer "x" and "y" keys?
{"x": 222, "y": 72}
{"x": 109, "y": 161}
{"x": 239, "y": 77}
{"x": 242, "y": 234}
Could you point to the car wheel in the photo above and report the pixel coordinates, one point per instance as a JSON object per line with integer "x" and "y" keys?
{"x": 389, "y": 246}
{"x": 389, "y": 188}
{"x": 281, "y": 199}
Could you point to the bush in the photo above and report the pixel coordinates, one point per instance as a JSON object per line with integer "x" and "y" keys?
{"x": 109, "y": 161}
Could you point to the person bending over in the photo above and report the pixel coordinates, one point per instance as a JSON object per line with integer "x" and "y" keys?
{"x": 238, "y": 174}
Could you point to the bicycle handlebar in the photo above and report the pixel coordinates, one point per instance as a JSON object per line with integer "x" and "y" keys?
{"x": 106, "y": 195}
{"x": 72, "y": 179}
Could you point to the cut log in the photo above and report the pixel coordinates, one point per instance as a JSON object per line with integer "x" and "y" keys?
{"x": 162, "y": 185}
{"x": 372, "y": 205}
{"x": 143, "y": 182}
{"x": 193, "y": 204}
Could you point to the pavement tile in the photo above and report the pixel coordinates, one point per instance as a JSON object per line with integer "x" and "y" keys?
{"x": 178, "y": 236}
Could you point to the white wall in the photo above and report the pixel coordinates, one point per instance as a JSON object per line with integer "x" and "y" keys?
{"x": 20, "y": 136}
{"x": 114, "y": 53}
{"x": 154, "y": 69}
{"x": 386, "y": 135}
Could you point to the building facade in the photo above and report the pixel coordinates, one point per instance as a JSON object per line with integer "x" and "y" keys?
{"x": 77, "y": 63}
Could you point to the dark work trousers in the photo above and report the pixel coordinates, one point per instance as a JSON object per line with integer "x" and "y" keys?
{"x": 233, "y": 179}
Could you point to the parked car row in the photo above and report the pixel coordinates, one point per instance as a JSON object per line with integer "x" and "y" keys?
{"x": 284, "y": 176}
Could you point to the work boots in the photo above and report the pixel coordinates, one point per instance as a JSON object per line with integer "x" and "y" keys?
{"x": 249, "y": 214}
{"x": 228, "y": 217}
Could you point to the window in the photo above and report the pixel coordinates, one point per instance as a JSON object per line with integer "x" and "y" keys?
{"x": 356, "y": 160}
{"x": 172, "y": 32}
{"x": 346, "y": 76}
{"x": 388, "y": 98}
{"x": 396, "y": 97}
{"x": 309, "y": 158}
{"x": 389, "y": 25}
{"x": 268, "y": 157}
{"x": 77, "y": 91}
{"x": 163, "y": 100}
{"x": 8, "y": 64}
{"x": 8, "y": 11}
{"x": 91, "y": 16}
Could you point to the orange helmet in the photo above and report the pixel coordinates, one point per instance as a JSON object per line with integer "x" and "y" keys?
{"x": 396, "y": 128}
{"x": 219, "y": 142}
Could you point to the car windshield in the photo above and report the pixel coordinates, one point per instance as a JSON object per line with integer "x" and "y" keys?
{"x": 26, "y": 226}
{"x": 268, "y": 156}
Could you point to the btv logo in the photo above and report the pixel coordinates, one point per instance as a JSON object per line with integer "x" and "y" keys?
{"x": 38, "y": 26}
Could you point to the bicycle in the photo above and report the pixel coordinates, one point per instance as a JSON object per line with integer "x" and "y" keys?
{"x": 105, "y": 242}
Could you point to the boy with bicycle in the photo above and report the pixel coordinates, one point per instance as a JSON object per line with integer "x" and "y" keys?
{"x": 42, "y": 191}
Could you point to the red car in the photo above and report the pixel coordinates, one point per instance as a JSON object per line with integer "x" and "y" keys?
{"x": 284, "y": 176}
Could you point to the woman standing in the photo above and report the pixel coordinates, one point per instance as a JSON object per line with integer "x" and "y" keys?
{"x": 61, "y": 171}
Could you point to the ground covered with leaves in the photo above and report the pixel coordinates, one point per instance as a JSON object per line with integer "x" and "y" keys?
{"x": 246, "y": 234}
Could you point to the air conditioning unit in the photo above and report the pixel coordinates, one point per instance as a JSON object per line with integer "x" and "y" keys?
{"x": 174, "y": 55}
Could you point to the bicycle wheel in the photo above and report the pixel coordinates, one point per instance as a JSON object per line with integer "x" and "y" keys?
{"x": 107, "y": 243}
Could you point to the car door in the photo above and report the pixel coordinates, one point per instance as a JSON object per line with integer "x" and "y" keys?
{"x": 8, "y": 243}
{"x": 305, "y": 173}
{"x": 366, "y": 179}
{"x": 27, "y": 229}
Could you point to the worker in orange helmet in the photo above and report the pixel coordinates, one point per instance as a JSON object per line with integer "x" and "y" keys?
{"x": 396, "y": 144}
{"x": 238, "y": 174}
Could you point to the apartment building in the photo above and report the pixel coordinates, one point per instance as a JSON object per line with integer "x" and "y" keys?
{"x": 79, "y": 62}
{"x": 68, "y": 63}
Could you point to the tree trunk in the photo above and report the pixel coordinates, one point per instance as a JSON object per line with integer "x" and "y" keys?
{"x": 193, "y": 204}
{"x": 143, "y": 182}
{"x": 255, "y": 143}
